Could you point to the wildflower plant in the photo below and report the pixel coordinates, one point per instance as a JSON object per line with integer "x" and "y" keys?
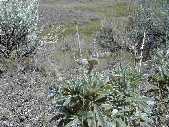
{"x": 96, "y": 100}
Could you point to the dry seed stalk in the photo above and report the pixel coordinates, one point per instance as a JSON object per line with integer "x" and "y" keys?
{"x": 141, "y": 55}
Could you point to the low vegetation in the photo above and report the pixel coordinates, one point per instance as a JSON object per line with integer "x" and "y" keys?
{"x": 108, "y": 72}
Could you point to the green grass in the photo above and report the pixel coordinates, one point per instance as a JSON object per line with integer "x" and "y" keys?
{"x": 107, "y": 10}
{"x": 90, "y": 29}
{"x": 121, "y": 9}
{"x": 87, "y": 30}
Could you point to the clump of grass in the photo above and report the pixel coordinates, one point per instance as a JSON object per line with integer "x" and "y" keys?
{"x": 120, "y": 9}
{"x": 87, "y": 30}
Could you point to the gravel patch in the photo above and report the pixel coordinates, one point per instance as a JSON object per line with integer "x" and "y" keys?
{"x": 24, "y": 100}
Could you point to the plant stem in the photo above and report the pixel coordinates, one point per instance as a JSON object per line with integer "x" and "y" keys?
{"x": 78, "y": 40}
{"x": 141, "y": 55}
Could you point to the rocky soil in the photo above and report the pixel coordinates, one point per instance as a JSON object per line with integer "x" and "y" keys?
{"x": 23, "y": 100}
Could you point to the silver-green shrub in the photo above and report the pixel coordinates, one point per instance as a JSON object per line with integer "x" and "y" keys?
{"x": 18, "y": 27}
{"x": 149, "y": 19}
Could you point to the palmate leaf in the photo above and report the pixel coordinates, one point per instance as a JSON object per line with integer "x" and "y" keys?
{"x": 99, "y": 115}
{"x": 119, "y": 123}
{"x": 106, "y": 106}
{"x": 59, "y": 100}
{"x": 91, "y": 121}
{"x": 73, "y": 123}
{"x": 140, "y": 101}
{"x": 67, "y": 101}
{"x": 114, "y": 122}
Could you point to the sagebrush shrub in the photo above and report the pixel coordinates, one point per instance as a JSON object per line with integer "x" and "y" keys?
{"x": 149, "y": 22}
{"x": 160, "y": 79}
{"x": 159, "y": 76}
{"x": 18, "y": 27}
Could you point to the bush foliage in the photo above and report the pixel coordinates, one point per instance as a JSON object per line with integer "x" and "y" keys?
{"x": 105, "y": 39}
{"x": 18, "y": 27}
